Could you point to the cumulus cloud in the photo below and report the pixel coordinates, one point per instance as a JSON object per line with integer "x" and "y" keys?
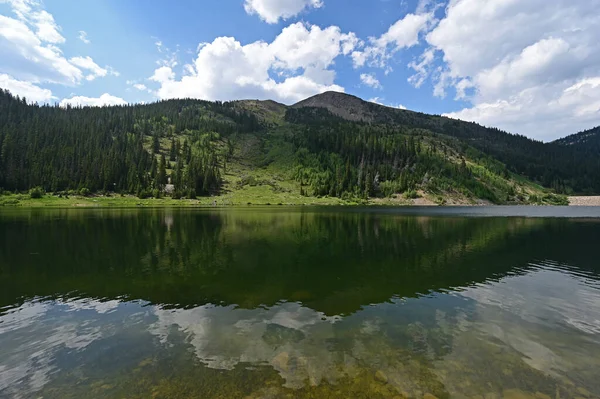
{"x": 370, "y": 80}
{"x": 25, "y": 89}
{"x": 82, "y": 101}
{"x": 271, "y": 11}
{"x": 294, "y": 66}
{"x": 29, "y": 47}
{"x": 84, "y": 37}
{"x": 527, "y": 67}
{"x": 26, "y": 57}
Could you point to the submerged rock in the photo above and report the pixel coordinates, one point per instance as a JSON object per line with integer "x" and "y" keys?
{"x": 381, "y": 376}
{"x": 281, "y": 361}
{"x": 276, "y": 334}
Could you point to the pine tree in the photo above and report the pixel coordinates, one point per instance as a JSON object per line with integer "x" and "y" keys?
{"x": 173, "y": 152}
{"x": 161, "y": 175}
{"x": 155, "y": 144}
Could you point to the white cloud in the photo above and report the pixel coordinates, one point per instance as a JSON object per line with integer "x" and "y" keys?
{"x": 25, "y": 89}
{"x": 31, "y": 13}
{"x": 404, "y": 33}
{"x": 271, "y": 11}
{"x": 584, "y": 97}
{"x": 163, "y": 75}
{"x": 95, "y": 70}
{"x": 29, "y": 47}
{"x": 543, "y": 112}
{"x": 82, "y": 101}
{"x": 530, "y": 67}
{"x": 26, "y": 57}
{"x": 140, "y": 86}
{"x": 370, "y": 80}
{"x": 169, "y": 58}
{"x": 84, "y": 37}
{"x": 47, "y": 29}
{"x": 461, "y": 88}
{"x": 300, "y": 57}
{"x": 421, "y": 68}
{"x": 379, "y": 100}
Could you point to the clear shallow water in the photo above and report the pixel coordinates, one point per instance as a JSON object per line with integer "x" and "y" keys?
{"x": 270, "y": 303}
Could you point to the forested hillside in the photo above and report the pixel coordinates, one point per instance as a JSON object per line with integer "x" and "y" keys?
{"x": 121, "y": 148}
{"x": 340, "y": 158}
{"x": 563, "y": 168}
{"x": 330, "y": 146}
{"x": 586, "y": 142}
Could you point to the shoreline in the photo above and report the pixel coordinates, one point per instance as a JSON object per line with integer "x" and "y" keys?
{"x": 128, "y": 201}
{"x": 592, "y": 200}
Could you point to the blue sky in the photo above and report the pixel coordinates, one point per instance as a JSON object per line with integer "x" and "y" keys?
{"x": 526, "y": 66}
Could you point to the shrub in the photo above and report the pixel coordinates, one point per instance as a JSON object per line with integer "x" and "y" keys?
{"x": 389, "y": 188}
{"x": 553, "y": 199}
{"x": 9, "y": 201}
{"x": 144, "y": 194}
{"x": 411, "y": 194}
{"x": 248, "y": 181}
{"x": 84, "y": 192}
{"x": 534, "y": 199}
{"x": 36, "y": 192}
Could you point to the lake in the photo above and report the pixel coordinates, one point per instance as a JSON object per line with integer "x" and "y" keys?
{"x": 300, "y": 302}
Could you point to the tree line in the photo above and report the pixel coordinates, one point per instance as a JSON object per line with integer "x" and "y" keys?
{"x": 119, "y": 148}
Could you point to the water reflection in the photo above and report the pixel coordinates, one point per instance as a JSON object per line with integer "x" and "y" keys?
{"x": 297, "y": 304}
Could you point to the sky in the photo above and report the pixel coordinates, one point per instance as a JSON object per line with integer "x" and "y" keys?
{"x": 530, "y": 67}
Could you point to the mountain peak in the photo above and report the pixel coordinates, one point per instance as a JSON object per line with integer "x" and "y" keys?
{"x": 343, "y": 105}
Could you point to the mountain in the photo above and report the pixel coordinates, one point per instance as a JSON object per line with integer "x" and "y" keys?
{"x": 563, "y": 167}
{"x": 586, "y": 141}
{"x": 330, "y": 148}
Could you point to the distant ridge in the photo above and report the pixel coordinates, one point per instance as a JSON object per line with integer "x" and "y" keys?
{"x": 587, "y": 140}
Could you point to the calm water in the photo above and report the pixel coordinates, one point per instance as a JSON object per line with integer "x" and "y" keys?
{"x": 280, "y": 303}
